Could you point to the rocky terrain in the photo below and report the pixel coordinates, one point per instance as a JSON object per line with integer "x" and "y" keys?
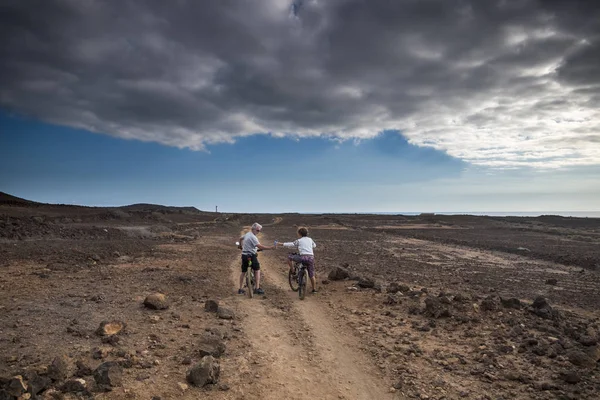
{"x": 140, "y": 302}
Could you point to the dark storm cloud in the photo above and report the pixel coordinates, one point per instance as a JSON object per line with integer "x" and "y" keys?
{"x": 460, "y": 76}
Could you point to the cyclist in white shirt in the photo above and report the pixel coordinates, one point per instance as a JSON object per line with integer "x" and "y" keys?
{"x": 306, "y": 255}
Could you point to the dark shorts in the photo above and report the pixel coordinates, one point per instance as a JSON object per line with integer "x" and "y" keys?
{"x": 245, "y": 261}
{"x": 309, "y": 261}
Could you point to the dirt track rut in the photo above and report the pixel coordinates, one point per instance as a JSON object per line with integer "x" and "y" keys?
{"x": 300, "y": 352}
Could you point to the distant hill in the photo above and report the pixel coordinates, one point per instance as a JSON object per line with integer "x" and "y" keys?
{"x": 157, "y": 207}
{"x": 10, "y": 200}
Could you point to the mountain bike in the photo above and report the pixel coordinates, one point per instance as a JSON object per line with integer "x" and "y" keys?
{"x": 298, "y": 277}
{"x": 249, "y": 281}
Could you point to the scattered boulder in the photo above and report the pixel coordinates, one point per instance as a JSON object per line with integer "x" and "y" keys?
{"x": 512, "y": 302}
{"x": 366, "y": 283}
{"x": 98, "y": 353}
{"x": 59, "y": 369}
{"x": 462, "y": 298}
{"x": 594, "y": 353}
{"x": 37, "y": 383}
{"x": 16, "y": 386}
{"x": 211, "y": 345}
{"x": 225, "y": 313}
{"x": 435, "y": 308}
{"x": 551, "y": 281}
{"x": 156, "y": 301}
{"x": 211, "y": 306}
{"x": 490, "y": 303}
{"x": 339, "y": 274}
{"x": 542, "y": 308}
{"x": 414, "y": 310}
{"x": 186, "y": 361}
{"x": 581, "y": 359}
{"x": 396, "y": 287}
{"x": 110, "y": 328}
{"x": 108, "y": 375}
{"x": 586, "y": 340}
{"x": 206, "y": 372}
{"x": 571, "y": 376}
{"x": 74, "y": 386}
{"x": 217, "y": 331}
{"x": 83, "y": 369}
{"x": 113, "y": 340}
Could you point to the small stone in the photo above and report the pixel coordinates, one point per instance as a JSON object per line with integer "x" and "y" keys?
{"x": 225, "y": 313}
{"x": 74, "y": 386}
{"x": 580, "y": 359}
{"x": 338, "y": 274}
{"x": 551, "y": 281}
{"x": 211, "y": 345}
{"x": 434, "y": 308}
{"x": 156, "y": 301}
{"x": 186, "y": 361}
{"x": 108, "y": 375}
{"x": 59, "y": 369}
{"x": 182, "y": 386}
{"x": 211, "y": 306}
{"x": 99, "y": 353}
{"x": 37, "y": 383}
{"x": 571, "y": 377}
{"x": 366, "y": 283}
{"x": 83, "y": 369}
{"x": 16, "y": 386}
{"x": 224, "y": 387}
{"x": 511, "y": 303}
{"x": 154, "y": 319}
{"x": 587, "y": 340}
{"x": 205, "y": 372}
{"x": 490, "y": 303}
{"x": 109, "y": 328}
{"x": 542, "y": 308}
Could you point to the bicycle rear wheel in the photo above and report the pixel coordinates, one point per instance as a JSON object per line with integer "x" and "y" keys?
{"x": 250, "y": 282}
{"x": 302, "y": 283}
{"x": 293, "y": 278}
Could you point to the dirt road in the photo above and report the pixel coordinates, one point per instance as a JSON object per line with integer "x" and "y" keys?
{"x": 300, "y": 350}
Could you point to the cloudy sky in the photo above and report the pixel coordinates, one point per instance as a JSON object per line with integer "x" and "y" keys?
{"x": 314, "y": 105}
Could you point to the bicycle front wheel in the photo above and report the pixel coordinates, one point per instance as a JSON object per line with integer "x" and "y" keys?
{"x": 293, "y": 278}
{"x": 250, "y": 283}
{"x": 302, "y": 283}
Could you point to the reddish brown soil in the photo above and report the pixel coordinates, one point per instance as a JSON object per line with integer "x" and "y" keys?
{"x": 65, "y": 269}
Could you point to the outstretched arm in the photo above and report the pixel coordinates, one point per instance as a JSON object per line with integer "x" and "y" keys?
{"x": 261, "y": 247}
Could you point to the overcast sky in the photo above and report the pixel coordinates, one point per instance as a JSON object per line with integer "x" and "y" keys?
{"x": 500, "y": 89}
